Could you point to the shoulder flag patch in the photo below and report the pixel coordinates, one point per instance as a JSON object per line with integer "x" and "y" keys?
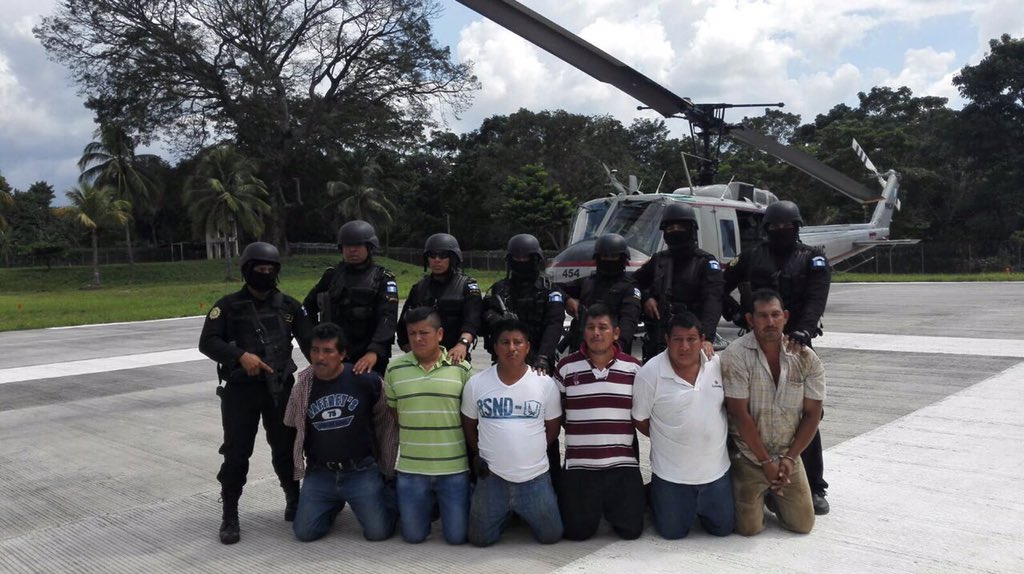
{"x": 636, "y": 292}
{"x": 555, "y": 297}
{"x": 818, "y": 262}
{"x": 473, "y": 287}
{"x": 391, "y": 287}
{"x": 714, "y": 265}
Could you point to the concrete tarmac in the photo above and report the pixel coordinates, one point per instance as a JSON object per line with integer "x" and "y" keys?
{"x": 110, "y": 436}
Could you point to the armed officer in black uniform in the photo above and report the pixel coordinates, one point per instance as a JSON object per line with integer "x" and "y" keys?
{"x": 360, "y": 296}
{"x": 456, "y": 297}
{"x": 249, "y": 333}
{"x": 527, "y": 294}
{"x": 681, "y": 278}
{"x": 609, "y": 285}
{"x": 801, "y": 274}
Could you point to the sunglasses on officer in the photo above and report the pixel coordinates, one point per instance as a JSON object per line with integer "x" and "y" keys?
{"x": 439, "y": 255}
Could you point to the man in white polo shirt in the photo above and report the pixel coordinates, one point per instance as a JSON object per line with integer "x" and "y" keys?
{"x": 679, "y": 401}
{"x": 510, "y": 414}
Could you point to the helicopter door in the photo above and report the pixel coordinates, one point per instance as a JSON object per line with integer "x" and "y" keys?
{"x": 719, "y": 232}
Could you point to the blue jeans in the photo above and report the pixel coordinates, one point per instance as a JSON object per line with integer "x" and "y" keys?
{"x": 675, "y": 506}
{"x": 324, "y": 493}
{"x": 495, "y": 499}
{"x": 416, "y": 496}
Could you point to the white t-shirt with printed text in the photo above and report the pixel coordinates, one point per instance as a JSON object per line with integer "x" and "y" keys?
{"x": 511, "y": 421}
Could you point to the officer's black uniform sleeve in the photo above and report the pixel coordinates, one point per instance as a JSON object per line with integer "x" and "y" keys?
{"x": 310, "y": 303}
{"x": 411, "y": 302}
{"x": 472, "y": 306}
{"x": 734, "y": 274}
{"x": 712, "y": 293}
{"x": 387, "y": 316}
{"x": 819, "y": 278}
{"x": 644, "y": 278}
{"x": 554, "y": 319}
{"x": 302, "y": 326}
{"x": 629, "y": 315}
{"x": 215, "y": 340}
{"x": 491, "y": 308}
{"x": 574, "y": 288}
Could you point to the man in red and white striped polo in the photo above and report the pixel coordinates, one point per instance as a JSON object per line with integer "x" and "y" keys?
{"x": 602, "y": 473}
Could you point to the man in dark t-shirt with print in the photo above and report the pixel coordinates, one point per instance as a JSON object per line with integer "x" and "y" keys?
{"x": 340, "y": 418}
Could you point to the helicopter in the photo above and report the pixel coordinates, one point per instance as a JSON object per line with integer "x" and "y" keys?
{"x": 729, "y": 215}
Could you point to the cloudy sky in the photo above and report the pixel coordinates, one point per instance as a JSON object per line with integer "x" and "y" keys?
{"x": 809, "y": 54}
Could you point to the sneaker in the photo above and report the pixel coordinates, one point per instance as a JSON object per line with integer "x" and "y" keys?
{"x": 821, "y": 506}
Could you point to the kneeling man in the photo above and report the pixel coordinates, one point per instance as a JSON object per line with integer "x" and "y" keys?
{"x": 510, "y": 414}
{"x": 773, "y": 394}
{"x": 679, "y": 401}
{"x": 337, "y": 414}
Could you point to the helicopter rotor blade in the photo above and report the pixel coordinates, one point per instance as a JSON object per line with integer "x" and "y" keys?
{"x": 583, "y": 55}
{"x": 804, "y": 163}
{"x": 597, "y": 63}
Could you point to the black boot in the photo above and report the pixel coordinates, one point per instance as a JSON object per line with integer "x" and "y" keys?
{"x": 291, "y": 499}
{"x": 229, "y": 529}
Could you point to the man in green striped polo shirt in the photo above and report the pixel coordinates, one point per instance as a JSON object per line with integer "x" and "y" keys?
{"x": 424, "y": 393}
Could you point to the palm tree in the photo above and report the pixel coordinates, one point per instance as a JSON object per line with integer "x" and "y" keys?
{"x": 362, "y": 195}
{"x": 94, "y": 207}
{"x": 111, "y": 160}
{"x": 225, "y": 193}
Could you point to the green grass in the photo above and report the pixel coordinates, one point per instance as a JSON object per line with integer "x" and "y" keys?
{"x": 33, "y": 298}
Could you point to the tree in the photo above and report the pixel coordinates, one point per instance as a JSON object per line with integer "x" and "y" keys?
{"x": 536, "y": 206}
{"x": 6, "y": 201}
{"x": 363, "y": 194}
{"x": 275, "y": 75}
{"x": 111, "y": 160}
{"x": 94, "y": 207}
{"x": 224, "y": 194}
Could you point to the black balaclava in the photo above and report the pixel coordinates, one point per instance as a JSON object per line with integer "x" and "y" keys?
{"x": 681, "y": 242}
{"x": 260, "y": 281}
{"x": 607, "y": 268}
{"x": 523, "y": 271}
{"x": 783, "y": 240}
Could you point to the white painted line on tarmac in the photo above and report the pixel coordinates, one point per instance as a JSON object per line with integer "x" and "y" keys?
{"x": 100, "y": 365}
{"x": 921, "y": 344}
{"x": 853, "y": 341}
{"x": 122, "y": 323}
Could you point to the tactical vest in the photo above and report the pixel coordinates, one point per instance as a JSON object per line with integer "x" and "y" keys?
{"x": 684, "y": 295}
{"x": 790, "y": 281}
{"x": 449, "y": 304}
{"x": 529, "y": 305}
{"x": 612, "y": 296}
{"x": 263, "y": 330}
{"x": 352, "y": 303}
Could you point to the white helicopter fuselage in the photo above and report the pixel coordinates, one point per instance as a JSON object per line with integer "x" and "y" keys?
{"x": 729, "y": 220}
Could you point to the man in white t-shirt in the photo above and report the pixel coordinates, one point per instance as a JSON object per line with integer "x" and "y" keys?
{"x": 679, "y": 401}
{"x": 510, "y": 414}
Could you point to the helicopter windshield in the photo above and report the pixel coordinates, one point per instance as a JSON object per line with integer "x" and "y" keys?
{"x": 638, "y": 222}
{"x": 588, "y": 218}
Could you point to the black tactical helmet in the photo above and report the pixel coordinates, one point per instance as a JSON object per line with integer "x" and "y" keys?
{"x": 358, "y": 232}
{"x": 443, "y": 242}
{"x": 524, "y": 245}
{"x": 783, "y": 212}
{"x": 611, "y": 244}
{"x": 261, "y": 252}
{"x": 678, "y": 213}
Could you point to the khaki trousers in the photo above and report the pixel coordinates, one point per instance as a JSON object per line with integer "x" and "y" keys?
{"x": 749, "y": 486}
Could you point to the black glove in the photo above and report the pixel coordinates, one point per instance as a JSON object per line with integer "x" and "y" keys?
{"x": 480, "y": 467}
{"x": 800, "y": 337}
{"x": 542, "y": 362}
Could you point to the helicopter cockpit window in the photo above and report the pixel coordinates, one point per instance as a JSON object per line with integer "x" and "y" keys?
{"x": 727, "y": 231}
{"x": 588, "y": 218}
{"x": 638, "y": 222}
